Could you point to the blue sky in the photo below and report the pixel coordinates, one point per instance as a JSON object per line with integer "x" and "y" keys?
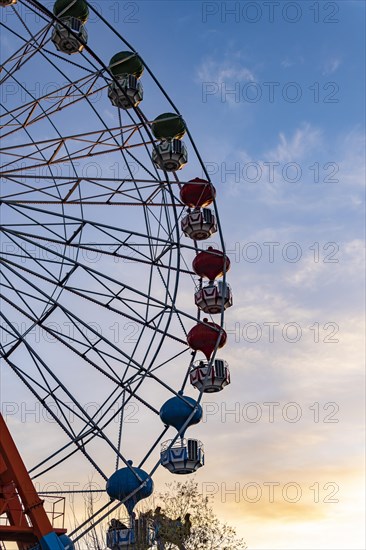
{"x": 290, "y": 191}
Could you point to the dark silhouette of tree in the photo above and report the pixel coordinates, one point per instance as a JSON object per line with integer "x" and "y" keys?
{"x": 192, "y": 523}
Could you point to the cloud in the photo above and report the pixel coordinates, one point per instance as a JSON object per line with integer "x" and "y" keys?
{"x": 305, "y": 168}
{"x": 351, "y": 157}
{"x": 227, "y": 76}
{"x": 303, "y": 141}
{"x": 223, "y": 72}
{"x": 310, "y": 273}
{"x": 331, "y": 66}
{"x": 287, "y": 62}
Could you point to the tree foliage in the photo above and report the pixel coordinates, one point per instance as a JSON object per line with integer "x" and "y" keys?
{"x": 207, "y": 531}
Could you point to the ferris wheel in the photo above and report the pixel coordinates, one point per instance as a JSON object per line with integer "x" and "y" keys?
{"x": 110, "y": 291}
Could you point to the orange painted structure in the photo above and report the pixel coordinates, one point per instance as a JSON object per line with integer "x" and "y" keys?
{"x": 27, "y": 520}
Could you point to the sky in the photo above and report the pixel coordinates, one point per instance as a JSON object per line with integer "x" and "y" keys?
{"x": 273, "y": 94}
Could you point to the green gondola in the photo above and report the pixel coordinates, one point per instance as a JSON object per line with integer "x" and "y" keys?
{"x": 126, "y": 63}
{"x": 168, "y": 126}
{"x": 72, "y": 8}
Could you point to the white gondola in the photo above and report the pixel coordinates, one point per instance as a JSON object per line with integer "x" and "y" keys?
{"x": 129, "y": 96}
{"x": 213, "y": 297}
{"x": 184, "y": 457}
{"x": 210, "y": 379}
{"x": 170, "y": 155}
{"x": 140, "y": 534}
{"x": 199, "y": 224}
{"x": 63, "y": 37}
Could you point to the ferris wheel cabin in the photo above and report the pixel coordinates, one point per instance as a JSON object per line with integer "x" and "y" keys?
{"x": 126, "y": 91}
{"x": 210, "y": 378}
{"x": 138, "y": 534}
{"x": 199, "y": 224}
{"x": 185, "y": 456}
{"x": 214, "y": 297}
{"x": 171, "y": 153}
{"x": 69, "y": 34}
